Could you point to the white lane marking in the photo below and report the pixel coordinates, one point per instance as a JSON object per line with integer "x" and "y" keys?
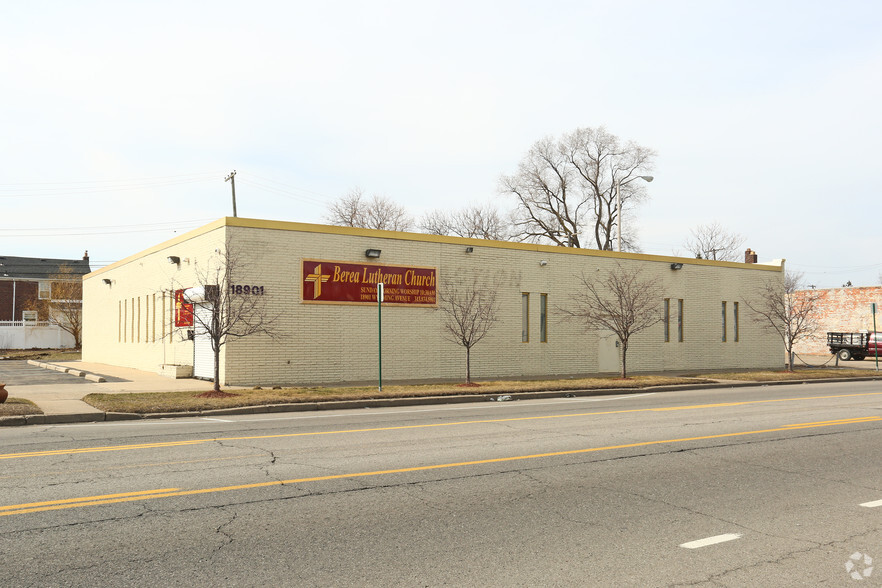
{"x": 218, "y": 420}
{"x": 352, "y": 412}
{"x": 873, "y": 504}
{"x": 711, "y": 540}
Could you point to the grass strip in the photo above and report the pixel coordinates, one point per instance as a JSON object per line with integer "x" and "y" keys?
{"x": 18, "y": 407}
{"x": 153, "y": 402}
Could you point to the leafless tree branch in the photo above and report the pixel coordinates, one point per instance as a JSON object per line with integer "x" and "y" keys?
{"x": 376, "y": 212}
{"x": 566, "y": 188}
{"x": 789, "y": 311}
{"x": 714, "y": 242}
{"x": 234, "y": 311}
{"x": 470, "y": 312}
{"x": 476, "y": 222}
{"x": 622, "y": 301}
{"x": 64, "y": 307}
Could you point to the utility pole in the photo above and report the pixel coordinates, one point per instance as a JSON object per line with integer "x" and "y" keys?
{"x": 232, "y": 179}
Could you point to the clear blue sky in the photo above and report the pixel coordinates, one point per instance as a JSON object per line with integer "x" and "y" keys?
{"x": 120, "y": 120}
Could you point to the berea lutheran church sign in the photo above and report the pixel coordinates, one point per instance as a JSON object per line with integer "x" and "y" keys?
{"x": 336, "y": 282}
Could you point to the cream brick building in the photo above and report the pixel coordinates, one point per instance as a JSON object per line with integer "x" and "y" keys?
{"x": 130, "y": 308}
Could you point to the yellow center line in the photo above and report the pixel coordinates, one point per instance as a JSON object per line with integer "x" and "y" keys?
{"x": 88, "y": 499}
{"x": 172, "y": 492}
{"x": 406, "y": 427}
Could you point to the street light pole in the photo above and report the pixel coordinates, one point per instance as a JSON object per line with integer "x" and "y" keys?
{"x": 619, "y": 185}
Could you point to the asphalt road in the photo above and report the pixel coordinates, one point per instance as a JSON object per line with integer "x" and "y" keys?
{"x": 764, "y": 486}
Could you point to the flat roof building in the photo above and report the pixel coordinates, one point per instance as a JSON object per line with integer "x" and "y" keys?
{"x": 316, "y": 285}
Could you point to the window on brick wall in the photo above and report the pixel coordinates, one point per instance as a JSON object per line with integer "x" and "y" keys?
{"x": 724, "y": 321}
{"x": 45, "y": 290}
{"x": 667, "y": 319}
{"x": 543, "y": 318}
{"x": 680, "y": 320}
{"x": 735, "y": 322}
{"x": 525, "y": 317}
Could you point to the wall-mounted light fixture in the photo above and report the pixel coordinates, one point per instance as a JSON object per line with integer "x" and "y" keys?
{"x": 108, "y": 281}
{"x": 372, "y": 253}
{"x": 676, "y": 266}
{"x": 543, "y": 263}
{"x": 470, "y": 249}
{"x": 174, "y": 259}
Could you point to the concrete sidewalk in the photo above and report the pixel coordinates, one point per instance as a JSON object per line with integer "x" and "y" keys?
{"x": 62, "y": 403}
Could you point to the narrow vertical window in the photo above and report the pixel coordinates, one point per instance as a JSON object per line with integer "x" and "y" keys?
{"x": 667, "y": 319}
{"x": 525, "y": 317}
{"x": 153, "y": 322}
{"x": 680, "y": 320}
{"x": 139, "y": 321}
{"x": 119, "y": 323}
{"x": 125, "y": 325}
{"x": 724, "y": 321}
{"x": 132, "y": 334}
{"x": 543, "y": 318}
{"x": 735, "y": 321}
{"x": 162, "y": 317}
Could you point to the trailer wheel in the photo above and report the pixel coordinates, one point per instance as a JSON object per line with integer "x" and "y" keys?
{"x": 844, "y": 354}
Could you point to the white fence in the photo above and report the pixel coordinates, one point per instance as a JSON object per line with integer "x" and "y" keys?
{"x": 33, "y": 335}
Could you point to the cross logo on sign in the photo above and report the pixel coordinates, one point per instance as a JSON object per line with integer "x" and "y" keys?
{"x": 317, "y": 278}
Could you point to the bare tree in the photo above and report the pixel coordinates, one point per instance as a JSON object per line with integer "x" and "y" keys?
{"x": 714, "y": 242}
{"x": 789, "y": 311}
{"x": 566, "y": 188}
{"x": 64, "y": 307}
{"x": 477, "y": 222}
{"x": 470, "y": 311}
{"x": 376, "y": 212}
{"x": 622, "y": 301}
{"x": 229, "y": 309}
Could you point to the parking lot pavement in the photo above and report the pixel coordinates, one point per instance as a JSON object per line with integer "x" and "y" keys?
{"x": 20, "y": 373}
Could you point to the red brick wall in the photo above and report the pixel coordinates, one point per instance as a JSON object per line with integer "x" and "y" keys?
{"x": 846, "y": 310}
{"x": 24, "y": 293}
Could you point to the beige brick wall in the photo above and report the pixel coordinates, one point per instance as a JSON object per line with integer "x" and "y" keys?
{"x": 322, "y": 343}
{"x": 129, "y": 322}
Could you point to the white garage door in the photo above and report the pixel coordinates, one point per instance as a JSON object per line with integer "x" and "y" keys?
{"x": 203, "y": 356}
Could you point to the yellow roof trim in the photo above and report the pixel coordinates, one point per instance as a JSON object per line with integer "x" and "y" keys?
{"x": 424, "y": 237}
{"x": 252, "y": 223}
{"x": 164, "y": 245}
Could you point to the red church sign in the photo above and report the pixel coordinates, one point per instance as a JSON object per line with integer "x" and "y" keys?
{"x": 356, "y": 283}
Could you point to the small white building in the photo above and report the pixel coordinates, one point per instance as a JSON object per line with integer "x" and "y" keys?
{"x": 320, "y": 284}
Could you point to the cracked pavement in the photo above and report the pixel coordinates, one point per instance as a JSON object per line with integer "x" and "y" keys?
{"x": 433, "y": 496}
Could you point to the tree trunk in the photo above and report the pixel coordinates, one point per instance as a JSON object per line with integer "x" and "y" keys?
{"x": 468, "y": 365}
{"x": 624, "y": 361}
{"x": 216, "y": 369}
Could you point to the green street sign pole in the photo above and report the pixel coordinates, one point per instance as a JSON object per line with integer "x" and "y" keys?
{"x": 380, "y": 331}
{"x": 875, "y": 335}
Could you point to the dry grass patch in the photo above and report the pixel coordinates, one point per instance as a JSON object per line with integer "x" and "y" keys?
{"x": 18, "y": 407}
{"x": 42, "y": 354}
{"x": 783, "y": 376}
{"x": 159, "y": 402}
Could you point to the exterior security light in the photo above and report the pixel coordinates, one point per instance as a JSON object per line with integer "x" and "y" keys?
{"x": 372, "y": 253}
{"x": 107, "y": 281}
{"x": 469, "y": 249}
{"x": 174, "y": 259}
{"x": 676, "y": 266}
{"x": 543, "y": 263}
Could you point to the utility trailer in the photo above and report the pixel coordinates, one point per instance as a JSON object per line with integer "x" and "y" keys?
{"x": 853, "y": 345}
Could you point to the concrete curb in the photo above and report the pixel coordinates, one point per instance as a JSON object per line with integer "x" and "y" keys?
{"x": 72, "y": 371}
{"x": 53, "y": 419}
